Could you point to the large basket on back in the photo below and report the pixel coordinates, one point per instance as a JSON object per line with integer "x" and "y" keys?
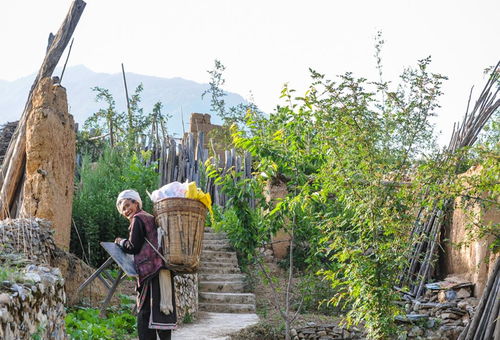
{"x": 183, "y": 222}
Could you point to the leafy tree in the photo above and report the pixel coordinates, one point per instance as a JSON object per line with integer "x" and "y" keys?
{"x": 126, "y": 130}
{"x": 106, "y": 121}
{"x": 345, "y": 157}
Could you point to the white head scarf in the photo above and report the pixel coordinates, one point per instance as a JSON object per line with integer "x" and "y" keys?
{"x": 128, "y": 194}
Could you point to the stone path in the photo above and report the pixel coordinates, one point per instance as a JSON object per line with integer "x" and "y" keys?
{"x": 214, "y": 326}
{"x": 224, "y": 307}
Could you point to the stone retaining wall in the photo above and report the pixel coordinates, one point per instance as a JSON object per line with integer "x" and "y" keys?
{"x": 34, "y": 307}
{"x": 186, "y": 295}
{"x": 325, "y": 332}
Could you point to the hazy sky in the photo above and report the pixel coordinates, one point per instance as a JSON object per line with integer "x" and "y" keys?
{"x": 263, "y": 44}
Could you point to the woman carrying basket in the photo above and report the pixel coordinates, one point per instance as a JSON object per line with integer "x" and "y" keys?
{"x": 155, "y": 285}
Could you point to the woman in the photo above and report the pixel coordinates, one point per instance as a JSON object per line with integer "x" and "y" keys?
{"x": 156, "y": 298}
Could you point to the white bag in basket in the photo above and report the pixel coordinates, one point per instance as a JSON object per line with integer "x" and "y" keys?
{"x": 174, "y": 189}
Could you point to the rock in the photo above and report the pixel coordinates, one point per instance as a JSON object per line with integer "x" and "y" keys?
{"x": 463, "y": 293}
{"x": 411, "y": 317}
{"x": 467, "y": 303}
{"x": 448, "y": 295}
{"x": 293, "y": 332}
{"x": 5, "y": 299}
{"x": 452, "y": 316}
{"x": 450, "y": 332}
{"x": 415, "y": 331}
{"x": 426, "y": 305}
{"x": 35, "y": 277}
{"x": 431, "y": 323}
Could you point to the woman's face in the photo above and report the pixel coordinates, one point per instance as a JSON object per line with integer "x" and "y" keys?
{"x": 129, "y": 208}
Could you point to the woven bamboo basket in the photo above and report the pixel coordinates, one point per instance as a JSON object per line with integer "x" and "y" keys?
{"x": 183, "y": 221}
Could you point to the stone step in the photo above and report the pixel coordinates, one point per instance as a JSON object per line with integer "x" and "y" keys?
{"x": 227, "y": 308}
{"x": 221, "y": 286}
{"x": 237, "y": 298}
{"x": 216, "y": 247}
{"x": 218, "y": 254}
{"x": 214, "y": 236}
{"x": 221, "y": 277}
{"x": 219, "y": 270}
{"x": 219, "y": 260}
{"x": 221, "y": 241}
{"x": 211, "y": 263}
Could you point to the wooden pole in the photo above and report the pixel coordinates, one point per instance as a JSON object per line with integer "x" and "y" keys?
{"x": 67, "y": 58}
{"x": 482, "y": 303}
{"x": 129, "y": 112}
{"x": 13, "y": 168}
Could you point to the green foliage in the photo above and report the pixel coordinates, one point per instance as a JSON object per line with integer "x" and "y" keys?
{"x": 11, "y": 265}
{"x": 10, "y": 274}
{"x": 188, "y": 318}
{"x": 240, "y": 220}
{"x": 85, "y": 323}
{"x": 40, "y": 330}
{"x": 341, "y": 151}
{"x": 315, "y": 295}
{"x": 94, "y": 210}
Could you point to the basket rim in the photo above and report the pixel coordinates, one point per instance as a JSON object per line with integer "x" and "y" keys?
{"x": 177, "y": 198}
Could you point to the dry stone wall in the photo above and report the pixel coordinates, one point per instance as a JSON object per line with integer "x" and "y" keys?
{"x": 33, "y": 237}
{"x": 29, "y": 236}
{"x": 186, "y": 295}
{"x": 33, "y": 306}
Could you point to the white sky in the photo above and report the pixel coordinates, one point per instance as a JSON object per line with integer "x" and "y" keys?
{"x": 263, "y": 44}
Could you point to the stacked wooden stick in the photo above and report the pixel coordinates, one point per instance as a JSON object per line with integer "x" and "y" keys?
{"x": 13, "y": 166}
{"x": 426, "y": 230}
{"x": 486, "y": 322}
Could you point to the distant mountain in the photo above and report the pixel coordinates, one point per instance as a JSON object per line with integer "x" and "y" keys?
{"x": 177, "y": 95}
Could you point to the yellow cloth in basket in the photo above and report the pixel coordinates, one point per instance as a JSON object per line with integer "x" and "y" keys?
{"x": 195, "y": 193}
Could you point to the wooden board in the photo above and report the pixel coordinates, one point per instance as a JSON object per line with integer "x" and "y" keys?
{"x": 125, "y": 261}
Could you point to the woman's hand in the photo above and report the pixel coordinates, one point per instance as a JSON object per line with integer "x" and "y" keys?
{"x": 118, "y": 240}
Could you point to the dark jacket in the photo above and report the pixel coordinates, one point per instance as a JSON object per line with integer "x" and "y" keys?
{"x": 147, "y": 262}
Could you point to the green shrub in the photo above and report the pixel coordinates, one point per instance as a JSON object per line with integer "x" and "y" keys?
{"x": 94, "y": 211}
{"x": 86, "y": 324}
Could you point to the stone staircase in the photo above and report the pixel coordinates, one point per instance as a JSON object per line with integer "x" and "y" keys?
{"x": 221, "y": 285}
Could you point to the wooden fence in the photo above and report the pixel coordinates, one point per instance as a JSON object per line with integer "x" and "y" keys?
{"x": 184, "y": 161}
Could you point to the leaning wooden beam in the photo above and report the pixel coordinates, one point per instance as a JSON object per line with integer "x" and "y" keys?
{"x": 481, "y": 312}
{"x": 13, "y": 163}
